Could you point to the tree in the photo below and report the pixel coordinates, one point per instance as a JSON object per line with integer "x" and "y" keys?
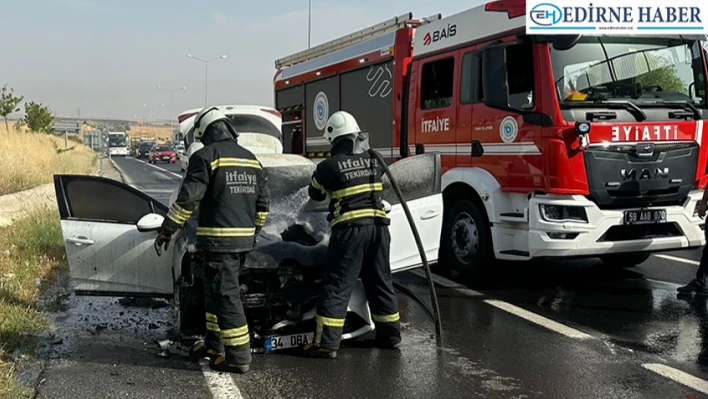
{"x": 665, "y": 76}
{"x": 38, "y": 118}
{"x": 9, "y": 103}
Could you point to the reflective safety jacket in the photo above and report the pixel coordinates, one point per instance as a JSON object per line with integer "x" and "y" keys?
{"x": 227, "y": 183}
{"x": 353, "y": 182}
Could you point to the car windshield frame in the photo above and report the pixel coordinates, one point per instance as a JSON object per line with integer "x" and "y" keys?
{"x": 631, "y": 69}
{"x": 162, "y": 149}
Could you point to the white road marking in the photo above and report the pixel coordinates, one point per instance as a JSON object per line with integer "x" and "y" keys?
{"x": 540, "y": 320}
{"x": 507, "y": 307}
{"x": 221, "y": 385}
{"x": 159, "y": 168}
{"x": 444, "y": 282}
{"x": 677, "y": 259}
{"x": 678, "y": 376}
{"x": 123, "y": 175}
{"x": 161, "y": 175}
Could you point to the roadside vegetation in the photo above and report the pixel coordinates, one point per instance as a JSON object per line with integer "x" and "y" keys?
{"x": 28, "y": 160}
{"x": 31, "y": 257}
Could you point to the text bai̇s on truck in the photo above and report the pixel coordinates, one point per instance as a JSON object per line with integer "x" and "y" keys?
{"x": 552, "y": 147}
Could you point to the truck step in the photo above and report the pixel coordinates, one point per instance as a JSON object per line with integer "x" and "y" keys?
{"x": 515, "y": 252}
{"x": 514, "y": 217}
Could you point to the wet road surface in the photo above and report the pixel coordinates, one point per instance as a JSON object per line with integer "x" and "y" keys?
{"x": 575, "y": 329}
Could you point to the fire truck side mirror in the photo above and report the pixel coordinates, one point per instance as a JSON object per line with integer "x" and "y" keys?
{"x": 565, "y": 42}
{"x": 495, "y": 85}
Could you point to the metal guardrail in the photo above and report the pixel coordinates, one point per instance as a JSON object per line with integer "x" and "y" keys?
{"x": 96, "y": 140}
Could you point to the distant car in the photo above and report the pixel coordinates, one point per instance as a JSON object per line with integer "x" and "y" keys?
{"x": 144, "y": 148}
{"x": 179, "y": 148}
{"x": 162, "y": 153}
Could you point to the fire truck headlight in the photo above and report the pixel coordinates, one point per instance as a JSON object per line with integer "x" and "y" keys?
{"x": 557, "y": 213}
{"x": 582, "y": 128}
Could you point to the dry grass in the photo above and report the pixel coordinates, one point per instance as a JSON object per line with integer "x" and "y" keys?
{"x": 31, "y": 252}
{"x": 28, "y": 160}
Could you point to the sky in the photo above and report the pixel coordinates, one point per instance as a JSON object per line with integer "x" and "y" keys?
{"x": 105, "y": 59}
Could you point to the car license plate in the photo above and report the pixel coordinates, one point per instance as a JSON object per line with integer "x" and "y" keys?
{"x": 165, "y": 158}
{"x": 288, "y": 341}
{"x": 644, "y": 216}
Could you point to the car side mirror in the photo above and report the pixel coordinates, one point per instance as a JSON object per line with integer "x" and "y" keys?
{"x": 495, "y": 85}
{"x": 387, "y": 206}
{"x": 150, "y": 222}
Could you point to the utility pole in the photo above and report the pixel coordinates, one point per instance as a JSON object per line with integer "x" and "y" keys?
{"x": 206, "y": 74}
{"x": 171, "y": 91}
{"x": 309, "y": 25}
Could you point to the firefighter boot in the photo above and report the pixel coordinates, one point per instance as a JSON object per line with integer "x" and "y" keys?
{"x": 388, "y": 335}
{"x": 200, "y": 350}
{"x": 221, "y": 364}
{"x": 310, "y": 350}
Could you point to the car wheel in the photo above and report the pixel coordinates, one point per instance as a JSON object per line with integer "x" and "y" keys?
{"x": 466, "y": 238}
{"x": 624, "y": 260}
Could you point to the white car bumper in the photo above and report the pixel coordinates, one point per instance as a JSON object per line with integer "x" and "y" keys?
{"x": 605, "y": 231}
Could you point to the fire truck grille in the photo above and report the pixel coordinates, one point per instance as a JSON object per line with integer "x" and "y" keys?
{"x": 640, "y": 174}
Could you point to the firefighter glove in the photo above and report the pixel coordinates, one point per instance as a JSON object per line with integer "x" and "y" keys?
{"x": 162, "y": 241}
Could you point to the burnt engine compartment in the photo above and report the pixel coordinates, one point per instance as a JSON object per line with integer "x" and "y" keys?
{"x": 281, "y": 280}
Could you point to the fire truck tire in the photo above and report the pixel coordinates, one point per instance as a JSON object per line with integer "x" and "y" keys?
{"x": 624, "y": 260}
{"x": 466, "y": 238}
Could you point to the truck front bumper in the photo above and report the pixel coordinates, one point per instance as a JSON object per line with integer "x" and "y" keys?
{"x": 605, "y": 231}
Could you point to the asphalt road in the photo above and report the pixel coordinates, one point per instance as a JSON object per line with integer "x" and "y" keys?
{"x": 574, "y": 329}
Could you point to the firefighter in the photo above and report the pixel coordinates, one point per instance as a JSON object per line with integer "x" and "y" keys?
{"x": 699, "y": 285}
{"x": 227, "y": 183}
{"x": 360, "y": 241}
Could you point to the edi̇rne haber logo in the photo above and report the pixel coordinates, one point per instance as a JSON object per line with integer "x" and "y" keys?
{"x": 603, "y": 17}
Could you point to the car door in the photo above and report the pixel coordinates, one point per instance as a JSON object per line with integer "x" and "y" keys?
{"x": 419, "y": 179}
{"x": 106, "y": 252}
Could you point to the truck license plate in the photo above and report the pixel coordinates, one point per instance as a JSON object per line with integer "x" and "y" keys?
{"x": 645, "y": 216}
{"x": 288, "y": 341}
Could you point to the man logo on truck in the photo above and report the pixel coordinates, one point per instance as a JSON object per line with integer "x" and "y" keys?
{"x": 645, "y": 174}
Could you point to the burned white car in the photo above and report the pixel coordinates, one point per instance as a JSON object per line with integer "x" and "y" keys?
{"x": 109, "y": 229}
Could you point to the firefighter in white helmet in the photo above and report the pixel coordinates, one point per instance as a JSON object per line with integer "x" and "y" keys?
{"x": 230, "y": 218}
{"x": 360, "y": 241}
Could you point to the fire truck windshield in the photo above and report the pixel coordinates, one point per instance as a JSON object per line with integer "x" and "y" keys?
{"x": 636, "y": 69}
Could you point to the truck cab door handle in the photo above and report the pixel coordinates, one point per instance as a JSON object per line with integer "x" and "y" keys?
{"x": 81, "y": 240}
{"x": 429, "y": 215}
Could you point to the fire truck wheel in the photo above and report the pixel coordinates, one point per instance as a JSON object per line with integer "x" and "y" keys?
{"x": 624, "y": 260}
{"x": 466, "y": 237}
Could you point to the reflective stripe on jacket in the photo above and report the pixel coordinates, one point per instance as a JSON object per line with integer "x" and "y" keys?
{"x": 227, "y": 183}
{"x": 353, "y": 182}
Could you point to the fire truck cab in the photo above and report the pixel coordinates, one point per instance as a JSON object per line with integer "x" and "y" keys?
{"x": 552, "y": 146}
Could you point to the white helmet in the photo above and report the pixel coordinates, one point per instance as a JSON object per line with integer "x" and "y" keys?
{"x": 341, "y": 123}
{"x": 204, "y": 118}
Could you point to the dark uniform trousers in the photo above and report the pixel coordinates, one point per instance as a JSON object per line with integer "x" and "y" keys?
{"x": 357, "y": 251}
{"x": 702, "y": 272}
{"x": 229, "y": 331}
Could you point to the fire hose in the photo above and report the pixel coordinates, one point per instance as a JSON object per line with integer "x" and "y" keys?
{"x": 433, "y": 310}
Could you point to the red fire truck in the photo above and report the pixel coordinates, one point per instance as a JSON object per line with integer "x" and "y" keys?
{"x": 552, "y": 146}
